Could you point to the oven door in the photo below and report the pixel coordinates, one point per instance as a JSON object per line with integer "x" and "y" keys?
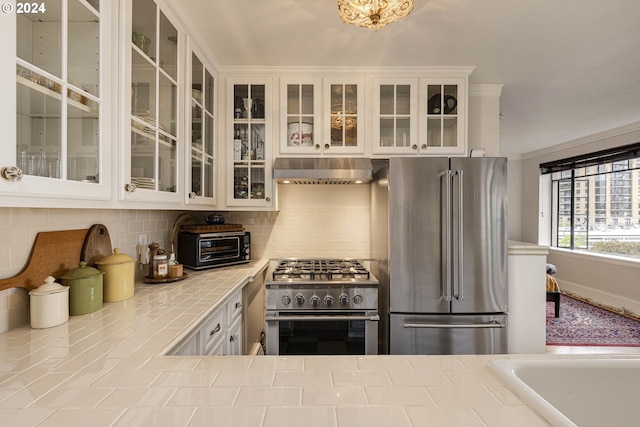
{"x": 321, "y": 333}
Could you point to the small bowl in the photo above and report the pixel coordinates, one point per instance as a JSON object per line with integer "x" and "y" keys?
{"x": 214, "y": 219}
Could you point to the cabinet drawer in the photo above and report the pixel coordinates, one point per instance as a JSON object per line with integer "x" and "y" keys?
{"x": 234, "y": 307}
{"x": 213, "y": 331}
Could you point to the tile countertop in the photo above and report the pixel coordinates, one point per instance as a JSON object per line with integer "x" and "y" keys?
{"x": 106, "y": 369}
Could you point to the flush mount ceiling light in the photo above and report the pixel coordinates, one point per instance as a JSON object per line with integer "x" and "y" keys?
{"x": 373, "y": 14}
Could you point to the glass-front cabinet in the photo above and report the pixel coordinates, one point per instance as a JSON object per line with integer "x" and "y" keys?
{"x": 154, "y": 144}
{"x": 300, "y": 124}
{"x": 202, "y": 182}
{"x": 395, "y": 117}
{"x": 249, "y": 177}
{"x": 58, "y": 106}
{"x": 443, "y": 116}
{"x": 343, "y": 116}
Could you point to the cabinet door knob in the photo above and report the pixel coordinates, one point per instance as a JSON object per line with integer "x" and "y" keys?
{"x": 11, "y": 173}
{"x": 130, "y": 188}
{"x": 327, "y": 146}
{"x": 268, "y": 199}
{"x": 423, "y": 146}
{"x": 192, "y": 195}
{"x": 238, "y": 305}
{"x": 317, "y": 146}
{"x": 414, "y": 146}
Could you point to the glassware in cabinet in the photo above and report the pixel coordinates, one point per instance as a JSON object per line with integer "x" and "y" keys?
{"x": 249, "y": 143}
{"x": 61, "y": 114}
{"x": 155, "y": 140}
{"x": 344, "y": 116}
{"x": 395, "y": 116}
{"x": 203, "y": 133}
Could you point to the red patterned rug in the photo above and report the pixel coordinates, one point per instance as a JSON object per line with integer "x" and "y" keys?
{"x": 584, "y": 324}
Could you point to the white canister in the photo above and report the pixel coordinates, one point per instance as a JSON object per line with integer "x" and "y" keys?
{"x": 49, "y": 304}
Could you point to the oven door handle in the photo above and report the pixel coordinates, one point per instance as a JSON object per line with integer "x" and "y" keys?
{"x": 314, "y": 317}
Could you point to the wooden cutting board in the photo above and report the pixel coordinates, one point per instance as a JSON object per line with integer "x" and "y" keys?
{"x": 97, "y": 245}
{"x": 53, "y": 254}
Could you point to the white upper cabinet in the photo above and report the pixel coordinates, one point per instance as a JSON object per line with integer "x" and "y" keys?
{"x": 152, "y": 121}
{"x": 395, "y": 116}
{"x": 56, "y": 116}
{"x": 201, "y": 182}
{"x": 248, "y": 143}
{"x": 343, "y": 116}
{"x": 443, "y": 116}
{"x": 300, "y": 116}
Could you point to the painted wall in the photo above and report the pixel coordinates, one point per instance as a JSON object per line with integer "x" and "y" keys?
{"x": 312, "y": 221}
{"x": 608, "y": 280}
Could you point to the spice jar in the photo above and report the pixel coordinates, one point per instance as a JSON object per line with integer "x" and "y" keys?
{"x": 160, "y": 265}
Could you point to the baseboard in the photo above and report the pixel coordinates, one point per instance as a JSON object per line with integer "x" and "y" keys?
{"x": 624, "y": 306}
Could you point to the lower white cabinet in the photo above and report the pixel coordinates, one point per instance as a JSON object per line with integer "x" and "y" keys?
{"x": 220, "y": 333}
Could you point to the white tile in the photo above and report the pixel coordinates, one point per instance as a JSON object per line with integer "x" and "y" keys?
{"x": 94, "y": 417}
{"x": 73, "y": 398}
{"x": 398, "y": 396}
{"x": 313, "y": 416}
{"x": 521, "y": 416}
{"x": 277, "y": 363}
{"x": 425, "y": 416}
{"x": 303, "y": 379}
{"x": 126, "y": 379}
{"x": 186, "y": 379}
{"x": 244, "y": 378}
{"x": 475, "y": 377}
{"x": 129, "y": 397}
{"x": 462, "y": 396}
{"x": 330, "y": 363}
{"x": 23, "y": 417}
{"x": 418, "y": 378}
{"x": 362, "y": 378}
{"x": 367, "y": 416}
{"x": 384, "y": 363}
{"x": 269, "y": 396}
{"x": 333, "y": 396}
{"x": 157, "y": 417}
{"x": 227, "y": 417}
{"x": 204, "y": 397}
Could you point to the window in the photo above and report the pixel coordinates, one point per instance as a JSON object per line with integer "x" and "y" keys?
{"x": 596, "y": 201}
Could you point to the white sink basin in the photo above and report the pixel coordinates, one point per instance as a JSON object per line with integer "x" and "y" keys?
{"x": 577, "y": 392}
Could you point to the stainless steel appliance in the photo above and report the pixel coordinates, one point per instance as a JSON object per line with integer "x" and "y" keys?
{"x": 439, "y": 249}
{"x": 206, "y": 250}
{"x": 321, "y": 306}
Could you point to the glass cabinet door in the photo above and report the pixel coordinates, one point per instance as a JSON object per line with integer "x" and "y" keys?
{"x": 444, "y": 121}
{"x": 301, "y": 131}
{"x": 60, "y": 105}
{"x": 395, "y": 116}
{"x": 249, "y": 148}
{"x": 344, "y": 112}
{"x": 154, "y": 84}
{"x": 202, "y": 150}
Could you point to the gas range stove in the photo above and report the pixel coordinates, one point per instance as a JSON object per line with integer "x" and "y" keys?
{"x": 321, "y": 284}
{"x": 330, "y": 270}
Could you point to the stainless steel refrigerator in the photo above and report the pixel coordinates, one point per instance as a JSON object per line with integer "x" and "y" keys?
{"x": 439, "y": 251}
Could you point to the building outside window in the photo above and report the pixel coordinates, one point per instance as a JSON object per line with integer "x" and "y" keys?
{"x": 596, "y": 202}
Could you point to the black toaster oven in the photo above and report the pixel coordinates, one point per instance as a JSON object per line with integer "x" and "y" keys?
{"x": 206, "y": 250}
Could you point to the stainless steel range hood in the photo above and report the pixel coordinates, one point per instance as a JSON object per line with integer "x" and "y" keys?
{"x": 325, "y": 170}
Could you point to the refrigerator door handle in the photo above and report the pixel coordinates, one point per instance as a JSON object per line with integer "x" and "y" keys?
{"x": 445, "y": 235}
{"x": 459, "y": 241}
{"x": 491, "y": 325}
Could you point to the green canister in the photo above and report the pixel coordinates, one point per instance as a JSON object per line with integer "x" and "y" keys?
{"x": 85, "y": 289}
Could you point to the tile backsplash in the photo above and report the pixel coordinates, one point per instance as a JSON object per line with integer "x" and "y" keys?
{"x": 311, "y": 221}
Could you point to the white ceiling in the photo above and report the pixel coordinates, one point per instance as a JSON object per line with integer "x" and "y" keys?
{"x": 570, "y": 68}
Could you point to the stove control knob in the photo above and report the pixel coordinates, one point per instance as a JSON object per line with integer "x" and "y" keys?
{"x": 286, "y": 299}
{"x": 344, "y": 299}
{"x": 357, "y": 299}
{"x": 315, "y": 300}
{"x": 328, "y": 300}
{"x": 299, "y": 299}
